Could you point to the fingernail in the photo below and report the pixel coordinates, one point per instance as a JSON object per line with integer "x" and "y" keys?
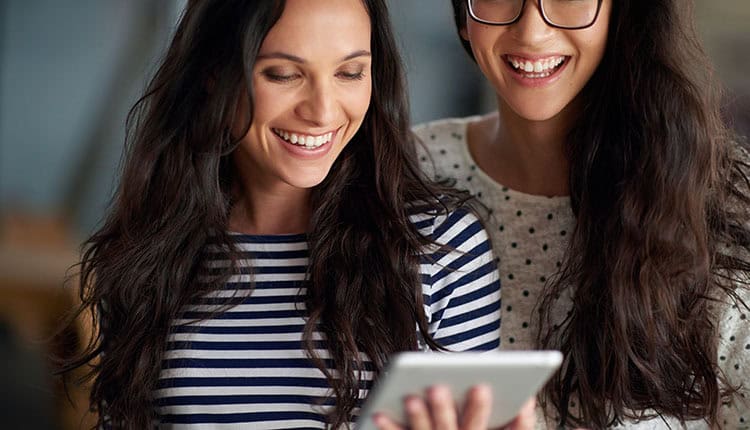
{"x": 440, "y": 391}
{"x": 412, "y": 405}
{"x": 483, "y": 389}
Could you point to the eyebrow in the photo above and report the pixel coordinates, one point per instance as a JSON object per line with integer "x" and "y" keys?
{"x": 300, "y": 60}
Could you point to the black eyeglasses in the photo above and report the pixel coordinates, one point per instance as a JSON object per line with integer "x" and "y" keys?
{"x": 565, "y": 14}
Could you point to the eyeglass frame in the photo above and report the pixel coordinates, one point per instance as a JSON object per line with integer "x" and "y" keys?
{"x": 546, "y": 20}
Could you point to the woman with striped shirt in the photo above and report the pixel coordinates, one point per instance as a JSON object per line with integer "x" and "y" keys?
{"x": 272, "y": 241}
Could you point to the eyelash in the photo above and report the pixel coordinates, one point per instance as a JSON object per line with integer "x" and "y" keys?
{"x": 289, "y": 78}
{"x": 281, "y": 78}
{"x": 353, "y": 76}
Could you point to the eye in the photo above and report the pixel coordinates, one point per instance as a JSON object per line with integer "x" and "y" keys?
{"x": 280, "y": 76}
{"x": 352, "y": 71}
{"x": 352, "y": 76}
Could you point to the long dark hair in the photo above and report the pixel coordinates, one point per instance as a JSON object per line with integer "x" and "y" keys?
{"x": 141, "y": 268}
{"x": 659, "y": 188}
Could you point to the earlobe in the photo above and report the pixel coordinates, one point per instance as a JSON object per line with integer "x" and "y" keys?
{"x": 464, "y": 35}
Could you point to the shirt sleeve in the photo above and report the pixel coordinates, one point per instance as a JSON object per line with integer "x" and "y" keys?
{"x": 461, "y": 286}
{"x": 734, "y": 358}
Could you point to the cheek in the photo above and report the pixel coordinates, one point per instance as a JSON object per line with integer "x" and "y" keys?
{"x": 270, "y": 103}
{"x": 358, "y": 102}
{"x": 595, "y": 46}
{"x": 596, "y": 36}
{"x": 354, "y": 102}
{"x": 481, "y": 37}
{"x": 483, "y": 40}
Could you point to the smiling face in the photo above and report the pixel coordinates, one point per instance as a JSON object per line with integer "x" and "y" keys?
{"x": 312, "y": 88}
{"x": 537, "y": 70}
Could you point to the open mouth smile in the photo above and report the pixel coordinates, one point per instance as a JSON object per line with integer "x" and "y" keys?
{"x": 304, "y": 140}
{"x": 536, "y": 69}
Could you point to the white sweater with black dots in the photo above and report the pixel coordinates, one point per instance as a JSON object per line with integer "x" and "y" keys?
{"x": 530, "y": 235}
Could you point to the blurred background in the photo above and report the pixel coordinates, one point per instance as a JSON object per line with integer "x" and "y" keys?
{"x": 69, "y": 71}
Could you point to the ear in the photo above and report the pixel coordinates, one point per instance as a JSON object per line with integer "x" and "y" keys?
{"x": 463, "y": 33}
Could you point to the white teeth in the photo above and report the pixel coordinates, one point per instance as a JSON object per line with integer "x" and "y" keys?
{"x": 536, "y": 69}
{"x": 306, "y": 141}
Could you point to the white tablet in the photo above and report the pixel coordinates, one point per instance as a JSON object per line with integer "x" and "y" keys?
{"x": 515, "y": 376}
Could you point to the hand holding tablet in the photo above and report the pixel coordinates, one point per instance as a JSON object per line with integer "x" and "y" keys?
{"x": 512, "y": 376}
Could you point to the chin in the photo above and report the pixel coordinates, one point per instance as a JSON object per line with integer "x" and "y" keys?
{"x": 537, "y": 114}
{"x": 307, "y": 181}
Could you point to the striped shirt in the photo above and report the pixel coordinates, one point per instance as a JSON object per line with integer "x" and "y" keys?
{"x": 247, "y": 367}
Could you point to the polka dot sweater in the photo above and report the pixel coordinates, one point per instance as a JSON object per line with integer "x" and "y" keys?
{"x": 530, "y": 234}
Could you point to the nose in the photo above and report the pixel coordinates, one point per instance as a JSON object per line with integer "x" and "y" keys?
{"x": 319, "y": 107}
{"x": 531, "y": 29}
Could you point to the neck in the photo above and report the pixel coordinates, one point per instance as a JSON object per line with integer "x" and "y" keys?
{"x": 270, "y": 210}
{"x": 527, "y": 156}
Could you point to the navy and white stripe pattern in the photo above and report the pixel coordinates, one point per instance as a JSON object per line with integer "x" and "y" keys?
{"x": 246, "y": 367}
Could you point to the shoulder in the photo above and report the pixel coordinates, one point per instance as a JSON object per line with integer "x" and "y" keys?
{"x": 456, "y": 226}
{"x": 734, "y": 314}
{"x": 441, "y": 143}
{"x": 443, "y": 134}
{"x": 739, "y": 155}
{"x": 740, "y": 148}
{"x": 460, "y": 284}
{"x": 734, "y": 350}
{"x": 737, "y": 205}
{"x": 437, "y": 129}
{"x": 458, "y": 243}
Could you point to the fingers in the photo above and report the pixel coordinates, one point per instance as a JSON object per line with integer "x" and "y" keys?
{"x": 417, "y": 413}
{"x": 476, "y": 411}
{"x": 443, "y": 408}
{"x": 383, "y": 422}
{"x": 438, "y": 411}
{"x": 526, "y": 419}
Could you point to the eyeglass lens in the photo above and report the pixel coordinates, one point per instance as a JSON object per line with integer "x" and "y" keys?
{"x": 562, "y": 13}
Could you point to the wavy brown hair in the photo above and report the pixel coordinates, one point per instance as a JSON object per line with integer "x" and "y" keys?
{"x": 141, "y": 268}
{"x": 659, "y": 188}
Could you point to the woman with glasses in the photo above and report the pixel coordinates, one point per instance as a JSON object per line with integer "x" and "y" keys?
{"x": 619, "y": 207}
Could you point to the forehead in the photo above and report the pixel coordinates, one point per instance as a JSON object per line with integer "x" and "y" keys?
{"x": 320, "y": 28}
